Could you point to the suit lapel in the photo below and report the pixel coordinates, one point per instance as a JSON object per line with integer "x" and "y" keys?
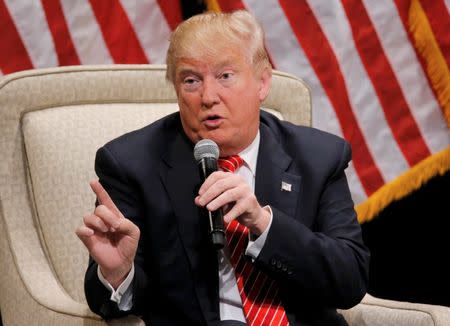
{"x": 181, "y": 178}
{"x": 277, "y": 182}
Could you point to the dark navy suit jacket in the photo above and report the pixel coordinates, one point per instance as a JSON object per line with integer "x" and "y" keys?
{"x": 314, "y": 246}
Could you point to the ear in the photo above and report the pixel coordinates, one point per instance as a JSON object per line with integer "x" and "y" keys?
{"x": 265, "y": 83}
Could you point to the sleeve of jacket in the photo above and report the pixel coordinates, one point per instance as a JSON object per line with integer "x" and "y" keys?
{"x": 114, "y": 180}
{"x": 327, "y": 263}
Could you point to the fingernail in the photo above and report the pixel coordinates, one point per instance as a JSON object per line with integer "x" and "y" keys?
{"x": 112, "y": 229}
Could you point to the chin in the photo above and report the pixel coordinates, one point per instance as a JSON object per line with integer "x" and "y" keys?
{"x": 215, "y": 135}
{"x": 227, "y": 145}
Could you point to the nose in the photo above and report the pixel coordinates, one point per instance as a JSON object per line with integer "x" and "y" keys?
{"x": 210, "y": 95}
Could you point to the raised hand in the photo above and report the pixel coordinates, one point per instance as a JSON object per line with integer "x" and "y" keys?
{"x": 110, "y": 238}
{"x": 232, "y": 192}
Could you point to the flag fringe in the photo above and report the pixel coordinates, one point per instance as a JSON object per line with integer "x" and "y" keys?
{"x": 403, "y": 185}
{"x": 427, "y": 46}
{"x": 213, "y": 5}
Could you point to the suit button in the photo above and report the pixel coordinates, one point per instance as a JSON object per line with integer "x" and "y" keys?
{"x": 278, "y": 264}
{"x": 273, "y": 262}
{"x": 284, "y": 269}
{"x": 290, "y": 272}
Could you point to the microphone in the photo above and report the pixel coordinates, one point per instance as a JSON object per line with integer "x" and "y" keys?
{"x": 206, "y": 153}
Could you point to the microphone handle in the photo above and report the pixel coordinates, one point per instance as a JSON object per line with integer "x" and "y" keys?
{"x": 207, "y": 166}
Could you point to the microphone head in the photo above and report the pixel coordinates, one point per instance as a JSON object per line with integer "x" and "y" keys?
{"x": 206, "y": 148}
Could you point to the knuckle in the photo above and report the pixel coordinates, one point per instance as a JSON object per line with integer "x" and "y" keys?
{"x": 137, "y": 230}
{"x": 232, "y": 194}
{"x": 221, "y": 184}
{"x": 88, "y": 218}
{"x": 99, "y": 209}
{"x": 236, "y": 212}
{"x": 241, "y": 209}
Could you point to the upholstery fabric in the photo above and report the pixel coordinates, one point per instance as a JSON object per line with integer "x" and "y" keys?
{"x": 60, "y": 145}
{"x": 379, "y": 312}
{"x": 51, "y": 123}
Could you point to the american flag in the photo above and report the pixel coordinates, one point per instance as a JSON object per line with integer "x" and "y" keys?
{"x": 378, "y": 70}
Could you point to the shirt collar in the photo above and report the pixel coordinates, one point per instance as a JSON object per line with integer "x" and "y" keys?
{"x": 250, "y": 154}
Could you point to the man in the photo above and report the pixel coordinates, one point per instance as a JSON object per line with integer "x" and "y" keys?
{"x": 151, "y": 252}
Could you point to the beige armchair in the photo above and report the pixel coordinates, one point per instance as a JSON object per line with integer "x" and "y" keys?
{"x": 51, "y": 123}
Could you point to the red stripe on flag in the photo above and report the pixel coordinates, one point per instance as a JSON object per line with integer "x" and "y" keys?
{"x": 322, "y": 59}
{"x": 13, "y": 55}
{"x": 403, "y": 11}
{"x": 230, "y": 5}
{"x": 439, "y": 19}
{"x": 172, "y": 11}
{"x": 118, "y": 33}
{"x": 396, "y": 110}
{"x": 65, "y": 49}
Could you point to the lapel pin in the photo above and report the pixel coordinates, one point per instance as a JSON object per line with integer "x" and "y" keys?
{"x": 286, "y": 186}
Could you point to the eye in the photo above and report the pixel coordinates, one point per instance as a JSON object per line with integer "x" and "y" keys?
{"x": 190, "y": 80}
{"x": 226, "y": 75}
{"x": 191, "y": 83}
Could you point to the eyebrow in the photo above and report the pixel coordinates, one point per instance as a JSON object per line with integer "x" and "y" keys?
{"x": 186, "y": 71}
{"x": 189, "y": 70}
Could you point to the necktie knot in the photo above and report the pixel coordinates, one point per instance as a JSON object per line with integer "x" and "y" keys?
{"x": 230, "y": 163}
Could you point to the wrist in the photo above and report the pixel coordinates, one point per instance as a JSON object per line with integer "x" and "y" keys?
{"x": 262, "y": 223}
{"x": 115, "y": 277}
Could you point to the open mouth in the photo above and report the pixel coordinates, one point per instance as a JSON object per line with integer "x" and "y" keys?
{"x": 213, "y": 117}
{"x": 213, "y": 121}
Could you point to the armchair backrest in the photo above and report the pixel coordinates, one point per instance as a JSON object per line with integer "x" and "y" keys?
{"x": 51, "y": 123}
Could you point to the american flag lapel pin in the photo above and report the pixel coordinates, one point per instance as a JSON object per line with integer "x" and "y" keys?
{"x": 286, "y": 186}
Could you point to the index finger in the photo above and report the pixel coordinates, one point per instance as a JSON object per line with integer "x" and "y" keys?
{"x": 211, "y": 179}
{"x": 103, "y": 196}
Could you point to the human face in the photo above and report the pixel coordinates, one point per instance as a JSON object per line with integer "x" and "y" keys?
{"x": 219, "y": 99}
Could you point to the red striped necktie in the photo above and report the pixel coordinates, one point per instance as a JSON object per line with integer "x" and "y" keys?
{"x": 259, "y": 294}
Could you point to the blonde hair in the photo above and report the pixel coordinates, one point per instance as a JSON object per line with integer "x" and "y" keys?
{"x": 206, "y": 35}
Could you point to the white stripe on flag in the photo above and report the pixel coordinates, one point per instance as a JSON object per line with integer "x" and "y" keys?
{"x": 85, "y": 31}
{"x": 31, "y": 23}
{"x": 447, "y": 4}
{"x": 356, "y": 189}
{"x": 364, "y": 101}
{"x": 150, "y": 26}
{"x": 409, "y": 73}
{"x": 288, "y": 56}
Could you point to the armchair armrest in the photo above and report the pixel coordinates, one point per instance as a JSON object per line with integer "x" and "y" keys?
{"x": 374, "y": 311}
{"x": 27, "y": 281}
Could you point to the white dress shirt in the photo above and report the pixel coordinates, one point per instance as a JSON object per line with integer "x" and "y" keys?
{"x": 230, "y": 302}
